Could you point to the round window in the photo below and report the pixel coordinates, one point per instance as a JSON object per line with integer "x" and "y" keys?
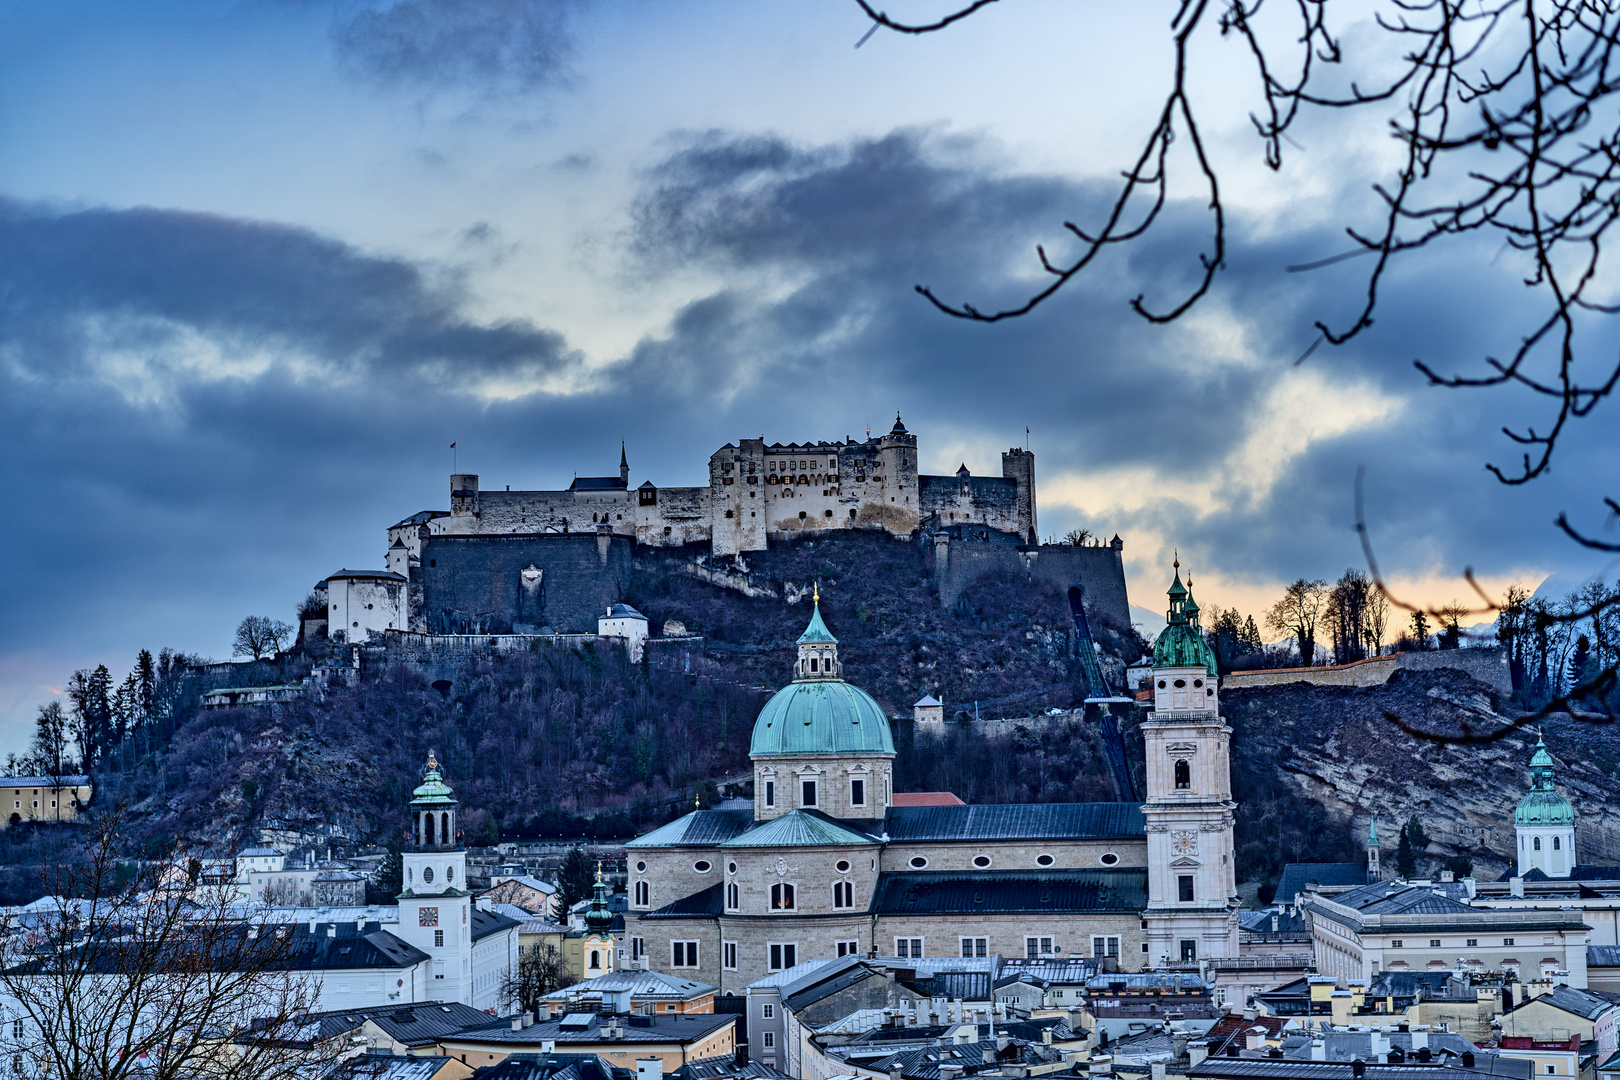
{"x": 427, "y": 873}
{"x": 1044, "y": 860}
{"x": 1181, "y": 682}
{"x": 1198, "y": 682}
{"x": 918, "y": 862}
{"x": 981, "y": 861}
{"x": 843, "y": 866}
{"x": 641, "y": 866}
{"x": 1161, "y": 684}
{"x": 731, "y": 868}
{"x": 1108, "y": 858}
{"x": 1209, "y": 691}
{"x": 702, "y": 866}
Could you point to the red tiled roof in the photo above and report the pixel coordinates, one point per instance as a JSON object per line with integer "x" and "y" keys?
{"x": 1233, "y": 1026}
{"x": 925, "y": 798}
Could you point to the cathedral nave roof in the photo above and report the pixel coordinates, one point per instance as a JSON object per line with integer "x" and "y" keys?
{"x": 700, "y": 828}
{"x": 800, "y": 828}
{"x": 1015, "y": 821}
{"x": 1010, "y": 892}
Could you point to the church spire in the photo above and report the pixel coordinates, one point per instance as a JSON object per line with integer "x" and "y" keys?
{"x": 818, "y": 649}
{"x": 624, "y": 466}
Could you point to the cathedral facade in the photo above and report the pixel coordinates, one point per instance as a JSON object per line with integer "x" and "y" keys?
{"x": 826, "y": 865}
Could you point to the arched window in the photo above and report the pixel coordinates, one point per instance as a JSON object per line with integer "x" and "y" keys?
{"x": 733, "y": 895}
{"x": 427, "y": 830}
{"x": 641, "y": 893}
{"x": 1557, "y": 843}
{"x": 444, "y": 828}
{"x": 596, "y": 959}
{"x": 843, "y": 894}
{"x": 1535, "y": 842}
{"x": 1183, "y": 776}
{"x": 782, "y": 897}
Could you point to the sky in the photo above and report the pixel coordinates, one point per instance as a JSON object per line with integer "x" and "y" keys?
{"x": 263, "y": 261}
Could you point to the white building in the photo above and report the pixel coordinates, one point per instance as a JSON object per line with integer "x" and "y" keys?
{"x": 624, "y": 621}
{"x": 360, "y": 603}
{"x": 1544, "y": 822}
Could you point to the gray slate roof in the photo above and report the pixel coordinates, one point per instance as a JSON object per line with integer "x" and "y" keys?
{"x": 724, "y": 1068}
{"x": 700, "y": 828}
{"x": 1218, "y": 1068}
{"x": 1048, "y": 821}
{"x": 1603, "y": 956}
{"x": 1580, "y": 1002}
{"x": 415, "y": 1025}
{"x": 585, "y": 1028}
{"x": 800, "y": 828}
{"x": 1579, "y": 873}
{"x": 986, "y": 892}
{"x": 1397, "y": 898}
{"x": 554, "y": 1067}
{"x": 700, "y": 905}
{"x": 1296, "y": 876}
{"x": 639, "y": 983}
{"x": 485, "y": 923}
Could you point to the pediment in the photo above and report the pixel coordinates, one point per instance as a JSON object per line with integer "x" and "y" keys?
{"x": 1185, "y": 862}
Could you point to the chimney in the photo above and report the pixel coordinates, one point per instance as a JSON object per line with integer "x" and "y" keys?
{"x": 331, "y": 931}
{"x": 896, "y": 1074}
{"x": 1196, "y": 1053}
{"x": 649, "y": 1068}
{"x": 1468, "y": 1059}
{"x": 1178, "y": 1044}
{"x": 949, "y": 1072}
{"x": 1250, "y": 1014}
{"x": 1420, "y": 1038}
{"x": 1516, "y": 887}
{"x": 1254, "y": 1038}
{"x": 360, "y": 924}
{"x": 312, "y": 924}
{"x": 1318, "y": 1050}
{"x": 739, "y": 1060}
{"x": 1158, "y": 1070}
{"x": 1358, "y": 1068}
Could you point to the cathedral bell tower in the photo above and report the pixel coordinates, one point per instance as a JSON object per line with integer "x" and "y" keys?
{"x": 1192, "y": 882}
{"x": 435, "y": 909}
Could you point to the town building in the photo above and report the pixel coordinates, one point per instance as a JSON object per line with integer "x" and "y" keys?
{"x": 826, "y": 864}
{"x": 42, "y": 798}
{"x": 650, "y": 992}
{"x": 623, "y": 1040}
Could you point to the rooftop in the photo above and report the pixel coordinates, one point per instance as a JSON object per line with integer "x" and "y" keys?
{"x": 1016, "y": 821}
{"x": 1010, "y": 892}
{"x": 1296, "y": 876}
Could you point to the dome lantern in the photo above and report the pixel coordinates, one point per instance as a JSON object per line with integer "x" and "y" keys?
{"x": 818, "y": 649}
{"x": 433, "y": 810}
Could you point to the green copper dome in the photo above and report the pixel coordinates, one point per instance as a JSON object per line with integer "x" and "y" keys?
{"x": 1182, "y": 643}
{"x": 820, "y": 713}
{"x": 433, "y": 792}
{"x": 1542, "y": 805}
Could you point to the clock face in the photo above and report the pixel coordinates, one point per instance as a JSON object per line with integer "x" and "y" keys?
{"x": 428, "y": 916}
{"x": 1184, "y": 843}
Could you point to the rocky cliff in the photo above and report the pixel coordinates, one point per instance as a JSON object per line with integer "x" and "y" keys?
{"x": 1345, "y": 749}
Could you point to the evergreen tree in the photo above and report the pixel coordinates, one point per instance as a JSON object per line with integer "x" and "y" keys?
{"x": 1405, "y": 857}
{"x": 1579, "y": 660}
{"x": 1420, "y": 839}
{"x": 576, "y": 879}
{"x": 1420, "y": 631}
{"x": 390, "y": 875}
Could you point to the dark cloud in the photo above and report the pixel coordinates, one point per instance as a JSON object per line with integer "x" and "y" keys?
{"x": 202, "y": 416}
{"x": 521, "y": 44}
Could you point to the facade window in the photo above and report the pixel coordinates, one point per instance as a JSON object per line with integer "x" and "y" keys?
{"x": 975, "y": 946}
{"x": 807, "y": 793}
{"x": 908, "y": 947}
{"x": 918, "y": 862}
{"x": 1105, "y": 946}
{"x": 1183, "y": 776}
{"x": 728, "y": 955}
{"x": 770, "y": 1039}
{"x": 596, "y": 959}
{"x": 848, "y": 948}
{"x": 782, "y": 898}
{"x": 768, "y": 1011}
{"x": 1507, "y": 941}
{"x": 17, "y": 1029}
{"x": 857, "y": 792}
{"x": 981, "y": 861}
{"x": 641, "y": 893}
{"x": 770, "y": 793}
{"x": 1535, "y": 842}
{"x": 843, "y": 894}
{"x": 683, "y": 954}
{"x": 638, "y": 948}
{"x": 1473, "y": 943}
{"x": 1189, "y": 952}
{"x": 1557, "y": 843}
{"x": 438, "y": 939}
{"x": 1184, "y": 888}
{"x": 1434, "y": 943}
{"x": 783, "y": 955}
{"x": 1037, "y": 946}
{"x": 732, "y": 896}
{"x": 1397, "y": 944}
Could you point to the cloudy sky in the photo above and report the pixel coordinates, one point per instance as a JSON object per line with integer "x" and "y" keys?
{"x": 262, "y": 261}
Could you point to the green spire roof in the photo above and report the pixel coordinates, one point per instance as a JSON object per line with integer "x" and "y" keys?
{"x": 1542, "y": 805}
{"x": 817, "y": 630}
{"x": 1372, "y": 832}
{"x": 433, "y": 790}
{"x": 598, "y": 918}
{"x": 1182, "y": 643}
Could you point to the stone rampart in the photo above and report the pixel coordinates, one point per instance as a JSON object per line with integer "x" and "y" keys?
{"x": 1488, "y": 665}
{"x": 957, "y": 562}
{"x": 493, "y": 585}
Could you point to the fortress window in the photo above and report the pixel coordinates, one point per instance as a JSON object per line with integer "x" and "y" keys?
{"x": 1183, "y": 776}
{"x": 433, "y": 562}
{"x": 852, "y": 513}
{"x": 829, "y": 513}
{"x": 729, "y": 513}
{"x": 666, "y": 530}
{"x": 802, "y": 515}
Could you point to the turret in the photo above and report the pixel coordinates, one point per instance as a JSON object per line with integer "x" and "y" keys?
{"x": 624, "y": 467}
{"x": 818, "y": 649}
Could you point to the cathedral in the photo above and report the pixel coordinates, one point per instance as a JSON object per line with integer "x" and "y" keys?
{"x": 825, "y": 864}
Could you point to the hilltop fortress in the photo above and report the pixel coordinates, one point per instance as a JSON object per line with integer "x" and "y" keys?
{"x": 525, "y": 562}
